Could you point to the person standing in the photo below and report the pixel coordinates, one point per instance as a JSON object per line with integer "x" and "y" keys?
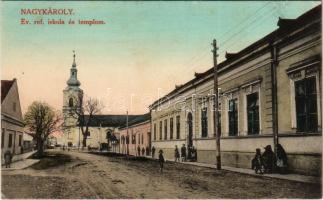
{"x": 153, "y": 152}
{"x": 176, "y": 154}
{"x": 143, "y": 151}
{"x": 161, "y": 160}
{"x": 138, "y": 150}
{"x": 269, "y": 159}
{"x": 183, "y": 153}
{"x": 281, "y": 159}
{"x": 257, "y": 162}
{"x": 7, "y": 158}
{"x": 194, "y": 154}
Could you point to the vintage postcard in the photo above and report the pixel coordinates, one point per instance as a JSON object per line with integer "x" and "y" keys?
{"x": 161, "y": 99}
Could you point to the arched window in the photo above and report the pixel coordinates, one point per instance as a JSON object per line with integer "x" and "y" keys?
{"x": 70, "y": 102}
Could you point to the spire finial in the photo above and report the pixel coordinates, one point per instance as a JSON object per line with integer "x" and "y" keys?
{"x": 74, "y": 64}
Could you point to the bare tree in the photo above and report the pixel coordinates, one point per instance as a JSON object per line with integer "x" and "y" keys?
{"x": 84, "y": 112}
{"x": 42, "y": 120}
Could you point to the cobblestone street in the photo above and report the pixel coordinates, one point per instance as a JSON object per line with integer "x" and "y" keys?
{"x": 81, "y": 175}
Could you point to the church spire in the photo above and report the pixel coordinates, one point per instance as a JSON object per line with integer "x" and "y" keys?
{"x": 72, "y": 81}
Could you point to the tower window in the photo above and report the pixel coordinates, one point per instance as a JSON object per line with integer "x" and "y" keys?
{"x": 70, "y": 102}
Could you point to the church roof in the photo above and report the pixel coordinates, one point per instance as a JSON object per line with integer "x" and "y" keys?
{"x": 5, "y": 88}
{"x": 137, "y": 120}
{"x": 110, "y": 120}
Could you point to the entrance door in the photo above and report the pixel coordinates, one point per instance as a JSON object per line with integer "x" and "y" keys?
{"x": 190, "y": 134}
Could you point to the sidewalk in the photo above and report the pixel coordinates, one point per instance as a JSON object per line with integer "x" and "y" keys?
{"x": 20, "y": 161}
{"x": 291, "y": 177}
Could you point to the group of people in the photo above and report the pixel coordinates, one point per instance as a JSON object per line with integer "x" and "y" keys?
{"x": 268, "y": 162}
{"x": 178, "y": 156}
{"x": 143, "y": 150}
{"x": 184, "y": 155}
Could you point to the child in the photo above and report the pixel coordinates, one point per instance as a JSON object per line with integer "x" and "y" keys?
{"x": 161, "y": 160}
{"x": 7, "y": 158}
{"x": 257, "y": 163}
{"x": 153, "y": 152}
{"x": 176, "y": 154}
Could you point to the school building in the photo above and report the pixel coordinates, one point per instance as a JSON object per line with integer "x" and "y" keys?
{"x": 269, "y": 91}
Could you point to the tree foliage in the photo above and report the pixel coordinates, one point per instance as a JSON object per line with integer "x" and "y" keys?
{"x": 42, "y": 120}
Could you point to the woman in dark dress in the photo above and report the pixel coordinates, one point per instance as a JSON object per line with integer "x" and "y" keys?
{"x": 269, "y": 159}
{"x": 281, "y": 159}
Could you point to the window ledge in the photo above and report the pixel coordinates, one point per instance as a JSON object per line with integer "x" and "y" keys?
{"x": 168, "y": 140}
{"x": 271, "y": 135}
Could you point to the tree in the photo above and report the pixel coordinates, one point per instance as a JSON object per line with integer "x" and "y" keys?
{"x": 84, "y": 112}
{"x": 42, "y": 120}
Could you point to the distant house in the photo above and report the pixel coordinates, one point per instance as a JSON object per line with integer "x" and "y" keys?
{"x": 29, "y": 141}
{"x": 11, "y": 118}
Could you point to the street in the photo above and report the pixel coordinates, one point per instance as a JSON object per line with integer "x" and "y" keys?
{"x": 63, "y": 174}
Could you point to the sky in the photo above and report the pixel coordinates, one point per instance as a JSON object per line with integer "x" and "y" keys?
{"x": 141, "y": 52}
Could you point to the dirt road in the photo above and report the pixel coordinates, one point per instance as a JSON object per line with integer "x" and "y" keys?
{"x": 81, "y": 175}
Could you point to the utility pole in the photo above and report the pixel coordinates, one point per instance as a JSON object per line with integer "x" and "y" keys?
{"x": 274, "y": 62}
{"x": 127, "y": 150}
{"x": 216, "y": 106}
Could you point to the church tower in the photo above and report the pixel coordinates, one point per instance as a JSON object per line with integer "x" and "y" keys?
{"x": 72, "y": 96}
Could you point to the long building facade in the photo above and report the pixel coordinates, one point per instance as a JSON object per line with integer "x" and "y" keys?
{"x": 269, "y": 92}
{"x": 135, "y": 139}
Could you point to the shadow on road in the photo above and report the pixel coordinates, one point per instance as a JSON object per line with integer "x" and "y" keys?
{"x": 50, "y": 160}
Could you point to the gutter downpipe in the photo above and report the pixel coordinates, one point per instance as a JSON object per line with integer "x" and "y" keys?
{"x": 274, "y": 64}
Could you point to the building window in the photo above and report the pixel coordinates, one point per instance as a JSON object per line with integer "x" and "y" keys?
{"x": 10, "y": 141}
{"x": 233, "y": 117}
{"x": 253, "y": 113}
{"x": 171, "y": 128}
{"x": 142, "y": 138}
{"x": 165, "y": 129}
{"x": 204, "y": 122}
{"x": 178, "y": 126}
{"x": 306, "y": 105}
{"x": 2, "y": 138}
{"x": 14, "y": 106}
{"x": 20, "y": 140}
{"x": 155, "y": 130}
{"x": 160, "y": 130}
{"x": 70, "y": 102}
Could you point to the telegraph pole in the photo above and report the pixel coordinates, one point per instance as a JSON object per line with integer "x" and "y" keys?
{"x": 216, "y": 106}
{"x": 127, "y": 142}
